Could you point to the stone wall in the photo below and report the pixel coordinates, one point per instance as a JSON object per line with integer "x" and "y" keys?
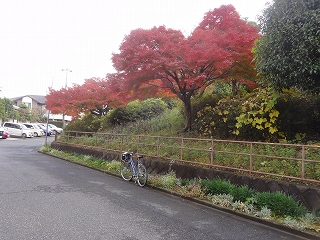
{"x": 308, "y": 195}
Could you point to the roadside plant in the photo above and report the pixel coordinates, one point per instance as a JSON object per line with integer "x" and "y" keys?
{"x": 112, "y": 166}
{"x": 242, "y": 193}
{"x": 264, "y": 213}
{"x": 281, "y": 204}
{"x": 293, "y": 223}
{"x": 169, "y": 180}
{"x": 238, "y": 205}
{"x": 192, "y": 189}
{"x": 216, "y": 186}
{"x": 166, "y": 181}
{"x": 309, "y": 218}
{"x": 45, "y": 148}
{"x": 224, "y": 200}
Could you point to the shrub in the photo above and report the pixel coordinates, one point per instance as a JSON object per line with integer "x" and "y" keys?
{"x": 200, "y": 102}
{"x": 152, "y": 107}
{"x": 88, "y": 123}
{"x": 134, "y": 111}
{"x": 299, "y": 113}
{"x": 262, "y": 115}
{"x": 185, "y": 181}
{"x": 165, "y": 123}
{"x": 280, "y": 204}
{"x": 219, "y": 121}
{"x": 116, "y": 116}
{"x": 242, "y": 193}
{"x": 216, "y": 186}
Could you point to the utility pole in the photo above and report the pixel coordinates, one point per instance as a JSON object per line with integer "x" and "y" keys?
{"x": 47, "y": 126}
{"x": 67, "y": 70}
{"x": 63, "y": 115}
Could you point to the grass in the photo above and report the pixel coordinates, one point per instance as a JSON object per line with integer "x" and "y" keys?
{"x": 228, "y": 154}
{"x": 110, "y": 167}
{"x": 275, "y": 207}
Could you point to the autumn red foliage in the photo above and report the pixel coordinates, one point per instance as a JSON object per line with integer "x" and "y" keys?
{"x": 59, "y": 102}
{"x": 163, "y": 60}
{"x": 95, "y": 95}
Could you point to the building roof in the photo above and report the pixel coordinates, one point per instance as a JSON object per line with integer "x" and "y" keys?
{"x": 38, "y": 98}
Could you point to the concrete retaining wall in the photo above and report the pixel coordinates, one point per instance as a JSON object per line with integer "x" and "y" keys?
{"x": 308, "y": 195}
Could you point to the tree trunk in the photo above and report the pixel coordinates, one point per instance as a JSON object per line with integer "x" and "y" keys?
{"x": 187, "y": 108}
{"x": 63, "y": 120}
{"x": 234, "y": 87}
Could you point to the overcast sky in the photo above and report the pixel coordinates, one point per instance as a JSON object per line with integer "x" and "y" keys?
{"x": 39, "y": 38}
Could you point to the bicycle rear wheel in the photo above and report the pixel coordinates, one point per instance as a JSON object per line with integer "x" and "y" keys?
{"x": 126, "y": 171}
{"x": 142, "y": 177}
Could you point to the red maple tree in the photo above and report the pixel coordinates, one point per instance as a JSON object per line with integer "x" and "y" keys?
{"x": 60, "y": 102}
{"x": 95, "y": 95}
{"x": 161, "y": 59}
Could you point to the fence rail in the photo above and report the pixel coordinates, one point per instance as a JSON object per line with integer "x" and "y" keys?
{"x": 290, "y": 161}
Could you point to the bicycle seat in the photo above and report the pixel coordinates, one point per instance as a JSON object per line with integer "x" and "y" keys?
{"x": 139, "y": 156}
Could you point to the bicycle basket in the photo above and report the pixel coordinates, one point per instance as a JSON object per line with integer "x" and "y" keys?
{"x": 126, "y": 156}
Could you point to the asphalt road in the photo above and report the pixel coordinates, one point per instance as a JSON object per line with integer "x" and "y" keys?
{"x": 42, "y": 197}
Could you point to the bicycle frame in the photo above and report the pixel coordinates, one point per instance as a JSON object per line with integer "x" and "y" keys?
{"x": 133, "y": 166}
{"x": 129, "y": 170}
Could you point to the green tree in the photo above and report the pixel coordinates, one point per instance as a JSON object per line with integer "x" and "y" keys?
{"x": 24, "y": 113}
{"x": 37, "y": 115}
{"x": 7, "y": 110}
{"x": 288, "y": 53}
{"x": 2, "y": 108}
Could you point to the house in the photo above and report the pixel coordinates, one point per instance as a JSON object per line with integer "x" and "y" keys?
{"x": 33, "y": 102}
{"x": 38, "y": 103}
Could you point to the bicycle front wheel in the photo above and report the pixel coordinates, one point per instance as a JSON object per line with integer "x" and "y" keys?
{"x": 126, "y": 171}
{"x": 142, "y": 177}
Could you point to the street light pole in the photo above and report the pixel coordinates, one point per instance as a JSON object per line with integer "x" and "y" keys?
{"x": 47, "y": 126}
{"x": 67, "y": 70}
{"x": 63, "y": 115}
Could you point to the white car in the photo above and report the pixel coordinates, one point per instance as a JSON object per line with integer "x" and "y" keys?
{"x": 17, "y": 130}
{"x": 37, "y": 131}
{"x": 55, "y": 128}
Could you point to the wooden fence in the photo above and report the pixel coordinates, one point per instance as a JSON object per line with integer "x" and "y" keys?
{"x": 290, "y": 161}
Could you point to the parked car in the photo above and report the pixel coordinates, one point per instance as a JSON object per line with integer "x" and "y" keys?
{"x": 17, "y": 130}
{"x": 4, "y": 133}
{"x": 37, "y": 131}
{"x": 44, "y": 126}
{"x": 55, "y": 128}
{"x": 44, "y": 129}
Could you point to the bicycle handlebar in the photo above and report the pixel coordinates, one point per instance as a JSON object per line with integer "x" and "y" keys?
{"x": 128, "y": 155}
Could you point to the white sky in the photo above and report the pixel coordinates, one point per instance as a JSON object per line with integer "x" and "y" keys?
{"x": 39, "y": 38}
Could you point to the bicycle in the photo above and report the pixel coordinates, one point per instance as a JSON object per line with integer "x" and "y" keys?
{"x": 129, "y": 170}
